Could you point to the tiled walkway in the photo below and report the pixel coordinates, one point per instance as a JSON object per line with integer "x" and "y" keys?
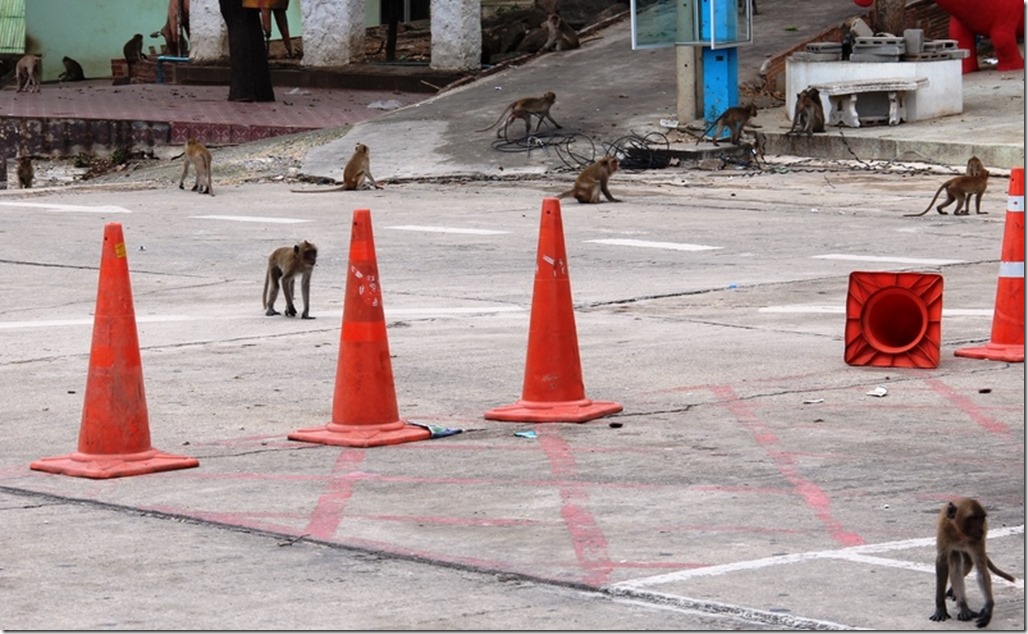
{"x": 201, "y": 110}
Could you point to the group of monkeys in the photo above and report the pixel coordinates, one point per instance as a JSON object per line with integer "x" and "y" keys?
{"x": 27, "y": 70}
{"x": 961, "y": 527}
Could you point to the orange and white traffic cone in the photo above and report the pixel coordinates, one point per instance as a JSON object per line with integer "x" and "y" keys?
{"x": 364, "y": 410}
{"x": 553, "y": 390}
{"x": 114, "y": 438}
{"x": 1007, "y": 342}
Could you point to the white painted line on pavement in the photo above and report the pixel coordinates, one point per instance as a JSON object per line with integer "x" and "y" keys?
{"x": 853, "y": 552}
{"x": 754, "y": 615}
{"x": 648, "y": 244}
{"x": 158, "y": 319}
{"x": 469, "y": 310}
{"x": 885, "y": 259}
{"x": 98, "y": 209}
{"x": 278, "y": 221}
{"x": 88, "y": 321}
{"x": 476, "y": 232}
{"x": 841, "y": 309}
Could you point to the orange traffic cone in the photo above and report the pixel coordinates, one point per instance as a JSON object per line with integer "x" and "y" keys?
{"x": 894, "y": 319}
{"x": 364, "y": 411}
{"x": 1007, "y": 342}
{"x": 114, "y": 439}
{"x": 553, "y": 389}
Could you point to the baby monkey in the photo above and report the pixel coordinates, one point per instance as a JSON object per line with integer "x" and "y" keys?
{"x": 284, "y": 264}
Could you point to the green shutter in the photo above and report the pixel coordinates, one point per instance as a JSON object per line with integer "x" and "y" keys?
{"x": 12, "y": 26}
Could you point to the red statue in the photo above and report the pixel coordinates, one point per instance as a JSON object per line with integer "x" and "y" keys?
{"x": 1002, "y": 21}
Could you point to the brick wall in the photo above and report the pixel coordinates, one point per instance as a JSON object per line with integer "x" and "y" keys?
{"x": 142, "y": 72}
{"x": 928, "y": 16}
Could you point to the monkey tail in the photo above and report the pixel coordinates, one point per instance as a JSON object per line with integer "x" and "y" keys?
{"x": 997, "y": 571}
{"x": 703, "y": 136}
{"x": 937, "y": 192}
{"x": 264, "y": 296}
{"x": 497, "y": 122}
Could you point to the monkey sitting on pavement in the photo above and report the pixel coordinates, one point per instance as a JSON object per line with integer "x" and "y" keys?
{"x": 356, "y": 171}
{"x": 284, "y": 264}
{"x": 593, "y": 180}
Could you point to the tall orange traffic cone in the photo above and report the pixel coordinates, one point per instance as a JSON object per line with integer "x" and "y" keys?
{"x": 114, "y": 438}
{"x": 1007, "y": 342}
{"x": 553, "y": 389}
{"x": 364, "y": 411}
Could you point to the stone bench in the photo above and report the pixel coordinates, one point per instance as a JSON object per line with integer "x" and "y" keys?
{"x": 843, "y": 95}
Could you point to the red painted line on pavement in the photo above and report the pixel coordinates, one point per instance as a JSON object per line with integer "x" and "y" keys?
{"x": 328, "y": 511}
{"x": 812, "y": 494}
{"x": 462, "y": 521}
{"x": 969, "y": 407}
{"x": 586, "y": 537}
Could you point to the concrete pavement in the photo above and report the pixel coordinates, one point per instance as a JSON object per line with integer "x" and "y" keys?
{"x": 607, "y": 92}
{"x": 753, "y": 483}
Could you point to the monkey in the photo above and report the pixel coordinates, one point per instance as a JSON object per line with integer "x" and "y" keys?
{"x": 593, "y": 180}
{"x": 734, "y": 119}
{"x": 975, "y": 166}
{"x": 133, "y": 49}
{"x": 27, "y": 69}
{"x": 808, "y": 115}
{"x": 961, "y": 188}
{"x": 200, "y": 158}
{"x": 25, "y": 172}
{"x": 356, "y": 170}
{"x": 561, "y": 36}
{"x": 284, "y": 264}
{"x": 960, "y": 545}
{"x": 524, "y": 108}
{"x": 72, "y": 70}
